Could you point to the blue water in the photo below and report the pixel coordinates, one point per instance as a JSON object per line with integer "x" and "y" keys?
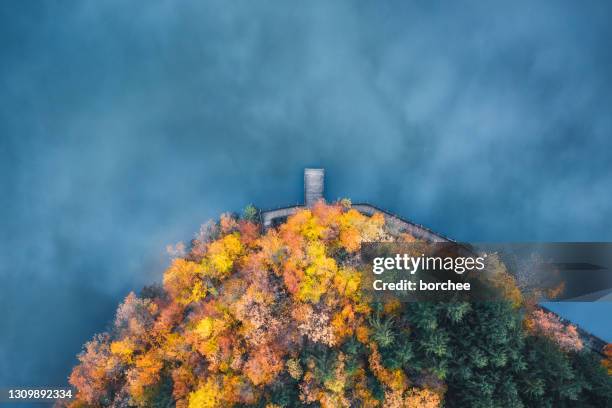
{"x": 124, "y": 127}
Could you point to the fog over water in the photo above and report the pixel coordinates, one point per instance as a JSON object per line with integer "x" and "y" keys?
{"x": 123, "y": 127}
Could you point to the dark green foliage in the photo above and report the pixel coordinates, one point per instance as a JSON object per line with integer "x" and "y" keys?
{"x": 352, "y": 347}
{"x": 456, "y": 311}
{"x": 597, "y": 388}
{"x": 325, "y": 363}
{"x": 375, "y": 387}
{"x": 481, "y": 352}
{"x": 250, "y": 213}
{"x": 160, "y": 395}
{"x": 285, "y": 393}
{"x": 383, "y": 333}
{"x": 354, "y": 351}
{"x": 400, "y": 354}
{"x": 546, "y": 362}
{"x": 564, "y": 380}
{"x": 324, "y": 359}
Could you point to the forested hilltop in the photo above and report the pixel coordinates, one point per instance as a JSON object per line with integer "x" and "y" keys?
{"x": 277, "y": 319}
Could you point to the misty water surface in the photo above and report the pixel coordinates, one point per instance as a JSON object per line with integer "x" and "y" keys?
{"x": 124, "y": 127}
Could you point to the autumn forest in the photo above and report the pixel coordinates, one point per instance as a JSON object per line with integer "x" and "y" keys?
{"x": 276, "y": 318}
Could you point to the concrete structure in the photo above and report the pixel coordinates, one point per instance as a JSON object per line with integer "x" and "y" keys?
{"x": 272, "y": 217}
{"x": 314, "y": 180}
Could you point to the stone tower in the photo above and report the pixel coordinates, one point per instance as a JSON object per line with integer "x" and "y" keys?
{"x": 314, "y": 180}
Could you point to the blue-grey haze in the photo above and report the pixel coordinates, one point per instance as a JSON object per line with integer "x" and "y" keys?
{"x": 125, "y": 125}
